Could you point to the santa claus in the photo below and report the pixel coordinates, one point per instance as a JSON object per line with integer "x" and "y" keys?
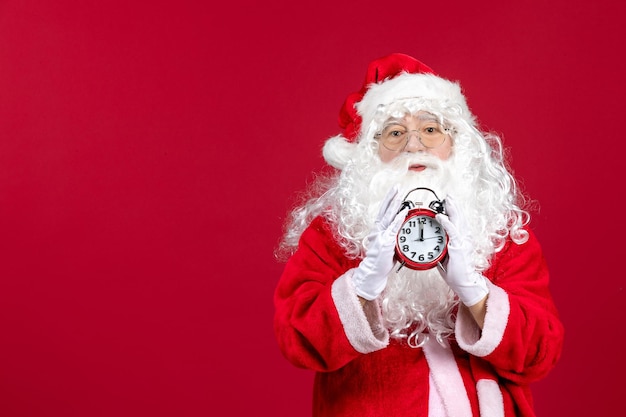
{"x": 464, "y": 338}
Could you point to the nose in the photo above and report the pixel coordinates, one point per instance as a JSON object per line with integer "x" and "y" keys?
{"x": 414, "y": 144}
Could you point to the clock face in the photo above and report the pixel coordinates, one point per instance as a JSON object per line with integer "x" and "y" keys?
{"x": 421, "y": 242}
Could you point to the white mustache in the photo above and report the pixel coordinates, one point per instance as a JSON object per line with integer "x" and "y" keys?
{"x": 407, "y": 160}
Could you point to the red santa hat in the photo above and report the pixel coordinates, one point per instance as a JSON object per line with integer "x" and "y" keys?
{"x": 388, "y": 79}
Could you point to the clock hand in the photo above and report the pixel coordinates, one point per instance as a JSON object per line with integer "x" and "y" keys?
{"x": 421, "y": 238}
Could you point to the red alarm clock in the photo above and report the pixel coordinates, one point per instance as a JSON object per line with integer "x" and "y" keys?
{"x": 422, "y": 242}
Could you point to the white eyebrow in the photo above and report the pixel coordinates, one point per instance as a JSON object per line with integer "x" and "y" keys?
{"x": 394, "y": 121}
{"x": 421, "y": 116}
{"x": 427, "y": 116}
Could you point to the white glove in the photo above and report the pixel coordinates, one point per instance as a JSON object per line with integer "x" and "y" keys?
{"x": 459, "y": 273}
{"x": 370, "y": 277}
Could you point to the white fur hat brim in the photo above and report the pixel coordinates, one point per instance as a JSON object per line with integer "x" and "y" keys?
{"x": 428, "y": 87}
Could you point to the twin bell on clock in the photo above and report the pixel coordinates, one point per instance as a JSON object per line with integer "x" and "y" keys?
{"x": 422, "y": 242}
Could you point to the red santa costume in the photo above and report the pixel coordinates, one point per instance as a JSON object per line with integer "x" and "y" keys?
{"x": 404, "y": 354}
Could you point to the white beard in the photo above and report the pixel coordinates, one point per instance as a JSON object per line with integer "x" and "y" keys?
{"x": 415, "y": 303}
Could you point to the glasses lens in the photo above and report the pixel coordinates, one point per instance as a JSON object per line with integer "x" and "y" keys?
{"x": 394, "y": 137}
{"x": 432, "y": 135}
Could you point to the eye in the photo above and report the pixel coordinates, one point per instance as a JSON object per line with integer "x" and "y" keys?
{"x": 394, "y": 131}
{"x": 430, "y": 130}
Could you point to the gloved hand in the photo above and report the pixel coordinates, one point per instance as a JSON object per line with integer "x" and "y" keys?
{"x": 465, "y": 281}
{"x": 370, "y": 277}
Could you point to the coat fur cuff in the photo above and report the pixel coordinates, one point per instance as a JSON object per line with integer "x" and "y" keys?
{"x": 362, "y": 325}
{"x": 469, "y": 335}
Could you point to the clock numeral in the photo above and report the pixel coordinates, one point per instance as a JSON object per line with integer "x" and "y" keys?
{"x": 406, "y": 230}
{"x": 402, "y": 239}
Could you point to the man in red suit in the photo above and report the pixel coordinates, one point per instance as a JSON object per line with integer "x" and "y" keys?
{"x": 463, "y": 335}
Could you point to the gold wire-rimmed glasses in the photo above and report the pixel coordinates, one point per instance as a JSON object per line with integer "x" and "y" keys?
{"x": 395, "y": 136}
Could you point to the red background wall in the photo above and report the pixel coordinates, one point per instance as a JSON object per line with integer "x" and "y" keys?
{"x": 149, "y": 152}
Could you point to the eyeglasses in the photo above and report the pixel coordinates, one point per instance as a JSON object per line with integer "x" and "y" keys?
{"x": 395, "y": 137}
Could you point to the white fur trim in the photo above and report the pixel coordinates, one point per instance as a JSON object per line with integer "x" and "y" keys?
{"x": 338, "y": 151}
{"x": 448, "y": 380}
{"x": 490, "y": 401}
{"x": 425, "y": 86}
{"x": 363, "y": 325}
{"x": 436, "y": 408}
{"x": 470, "y": 337}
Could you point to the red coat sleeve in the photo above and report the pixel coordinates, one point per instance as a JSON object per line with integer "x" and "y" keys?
{"x": 308, "y": 327}
{"x": 522, "y": 337}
